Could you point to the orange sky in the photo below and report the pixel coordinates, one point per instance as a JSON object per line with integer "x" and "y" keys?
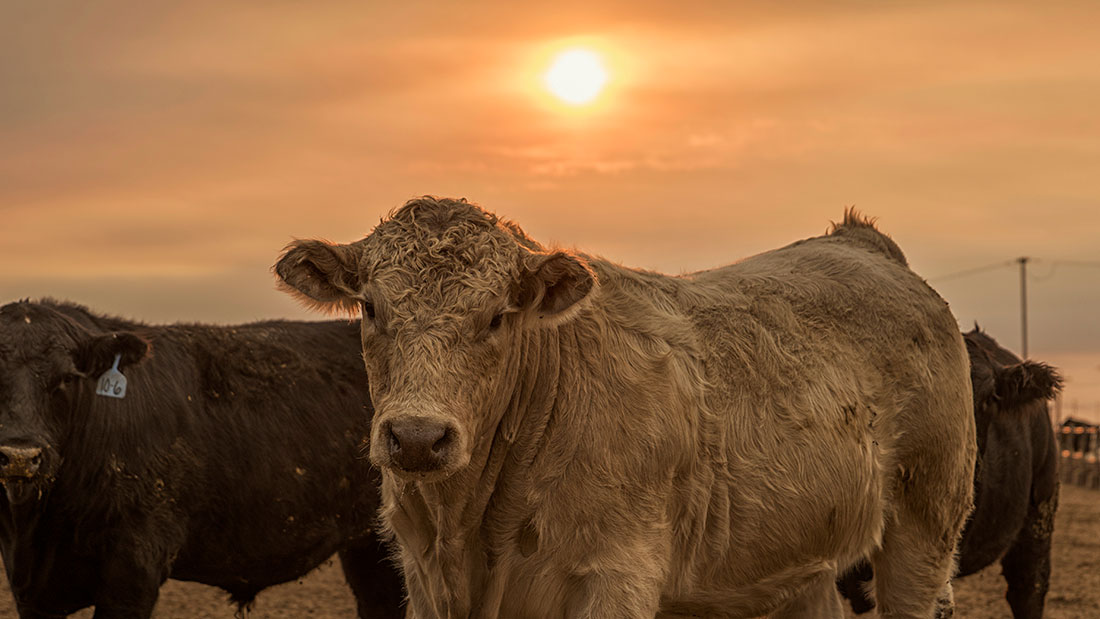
{"x": 153, "y": 160}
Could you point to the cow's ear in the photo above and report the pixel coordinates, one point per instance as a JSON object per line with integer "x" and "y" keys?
{"x": 324, "y": 276}
{"x": 97, "y": 355}
{"x": 982, "y": 381}
{"x": 1024, "y": 382}
{"x": 554, "y": 286}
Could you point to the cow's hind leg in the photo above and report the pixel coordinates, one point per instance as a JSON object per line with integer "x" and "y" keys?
{"x": 912, "y": 574}
{"x": 930, "y": 494}
{"x": 819, "y": 600}
{"x": 1026, "y": 565}
{"x": 914, "y": 565}
{"x": 374, "y": 578}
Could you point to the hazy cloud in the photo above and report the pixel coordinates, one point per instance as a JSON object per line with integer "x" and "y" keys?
{"x": 156, "y": 156}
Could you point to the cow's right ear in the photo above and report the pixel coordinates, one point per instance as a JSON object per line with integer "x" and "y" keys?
{"x": 324, "y": 276}
{"x": 1024, "y": 382}
{"x": 554, "y": 286}
{"x": 97, "y": 355}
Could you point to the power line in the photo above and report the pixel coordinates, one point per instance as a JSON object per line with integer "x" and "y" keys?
{"x": 1054, "y": 264}
{"x": 1077, "y": 263}
{"x": 975, "y": 270}
{"x": 1050, "y": 272}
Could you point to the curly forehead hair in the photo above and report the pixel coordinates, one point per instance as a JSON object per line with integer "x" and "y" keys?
{"x": 446, "y": 242}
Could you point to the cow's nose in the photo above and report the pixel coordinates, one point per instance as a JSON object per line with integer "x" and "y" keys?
{"x": 418, "y": 444}
{"x": 19, "y": 461}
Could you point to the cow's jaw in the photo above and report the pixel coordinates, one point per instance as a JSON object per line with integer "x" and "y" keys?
{"x": 21, "y": 489}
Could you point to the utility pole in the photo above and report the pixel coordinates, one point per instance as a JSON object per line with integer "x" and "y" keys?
{"x": 1023, "y": 304}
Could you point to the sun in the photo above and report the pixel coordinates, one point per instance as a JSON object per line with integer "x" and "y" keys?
{"x": 576, "y": 76}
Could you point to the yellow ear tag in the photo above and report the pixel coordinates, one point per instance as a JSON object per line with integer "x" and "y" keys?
{"x": 112, "y": 383}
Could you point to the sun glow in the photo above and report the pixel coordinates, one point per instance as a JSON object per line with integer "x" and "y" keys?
{"x": 576, "y": 76}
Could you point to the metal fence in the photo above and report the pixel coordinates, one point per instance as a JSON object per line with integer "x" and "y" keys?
{"x": 1080, "y": 464}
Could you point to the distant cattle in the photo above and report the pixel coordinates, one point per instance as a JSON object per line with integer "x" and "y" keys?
{"x": 562, "y": 436}
{"x": 1015, "y": 481}
{"x": 235, "y": 458}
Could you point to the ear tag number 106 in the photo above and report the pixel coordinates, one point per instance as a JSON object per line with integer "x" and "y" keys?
{"x": 112, "y": 383}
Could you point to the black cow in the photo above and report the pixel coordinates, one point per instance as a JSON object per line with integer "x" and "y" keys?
{"x": 1015, "y": 480}
{"x": 235, "y": 459}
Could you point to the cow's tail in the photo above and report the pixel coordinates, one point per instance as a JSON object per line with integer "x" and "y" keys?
{"x": 860, "y": 230}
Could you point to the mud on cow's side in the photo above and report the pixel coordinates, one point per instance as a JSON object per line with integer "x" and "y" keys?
{"x": 562, "y": 436}
{"x": 234, "y": 459}
{"x": 1015, "y": 480}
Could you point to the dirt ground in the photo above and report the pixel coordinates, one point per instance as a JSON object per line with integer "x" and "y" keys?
{"x": 1074, "y": 589}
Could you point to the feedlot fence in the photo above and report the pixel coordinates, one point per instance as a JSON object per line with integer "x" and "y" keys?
{"x": 1080, "y": 461}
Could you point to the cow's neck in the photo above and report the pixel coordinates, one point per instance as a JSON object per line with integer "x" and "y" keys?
{"x": 445, "y": 525}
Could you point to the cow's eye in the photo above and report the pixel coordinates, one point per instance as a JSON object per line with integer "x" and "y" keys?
{"x": 495, "y": 322}
{"x": 368, "y": 309}
{"x": 66, "y": 382}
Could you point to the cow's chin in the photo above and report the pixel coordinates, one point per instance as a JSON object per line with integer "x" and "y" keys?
{"x": 424, "y": 476}
{"x": 21, "y": 489}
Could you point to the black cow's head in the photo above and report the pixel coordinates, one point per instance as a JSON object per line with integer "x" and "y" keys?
{"x": 1002, "y": 382}
{"x": 50, "y": 358}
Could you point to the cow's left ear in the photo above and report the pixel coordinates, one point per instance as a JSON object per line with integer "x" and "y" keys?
{"x": 97, "y": 355}
{"x": 1024, "y": 382}
{"x": 554, "y": 286}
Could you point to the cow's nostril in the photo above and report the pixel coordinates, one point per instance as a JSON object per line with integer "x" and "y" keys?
{"x": 4, "y": 461}
{"x": 392, "y": 438}
{"x": 443, "y": 442}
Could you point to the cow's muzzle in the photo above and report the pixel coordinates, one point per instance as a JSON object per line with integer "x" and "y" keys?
{"x": 19, "y": 461}
{"x": 19, "y": 470}
{"x": 419, "y": 444}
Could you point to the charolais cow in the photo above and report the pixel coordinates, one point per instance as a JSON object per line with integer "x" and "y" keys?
{"x": 235, "y": 457}
{"x": 562, "y": 436}
{"x": 1015, "y": 480}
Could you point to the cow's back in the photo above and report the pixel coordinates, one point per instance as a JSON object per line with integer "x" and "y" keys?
{"x": 819, "y": 357}
{"x": 272, "y": 424}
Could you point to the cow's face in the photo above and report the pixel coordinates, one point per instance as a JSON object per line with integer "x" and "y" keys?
{"x": 49, "y": 363}
{"x": 446, "y": 292}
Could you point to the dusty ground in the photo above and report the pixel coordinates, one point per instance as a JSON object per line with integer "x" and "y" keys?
{"x": 1075, "y": 570}
{"x": 1074, "y": 590}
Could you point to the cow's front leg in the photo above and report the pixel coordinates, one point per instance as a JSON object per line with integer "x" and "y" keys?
{"x": 127, "y": 594}
{"x": 26, "y": 612}
{"x": 612, "y": 596}
{"x": 621, "y": 582}
{"x": 128, "y": 600}
{"x": 372, "y": 577}
{"x": 130, "y": 582}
